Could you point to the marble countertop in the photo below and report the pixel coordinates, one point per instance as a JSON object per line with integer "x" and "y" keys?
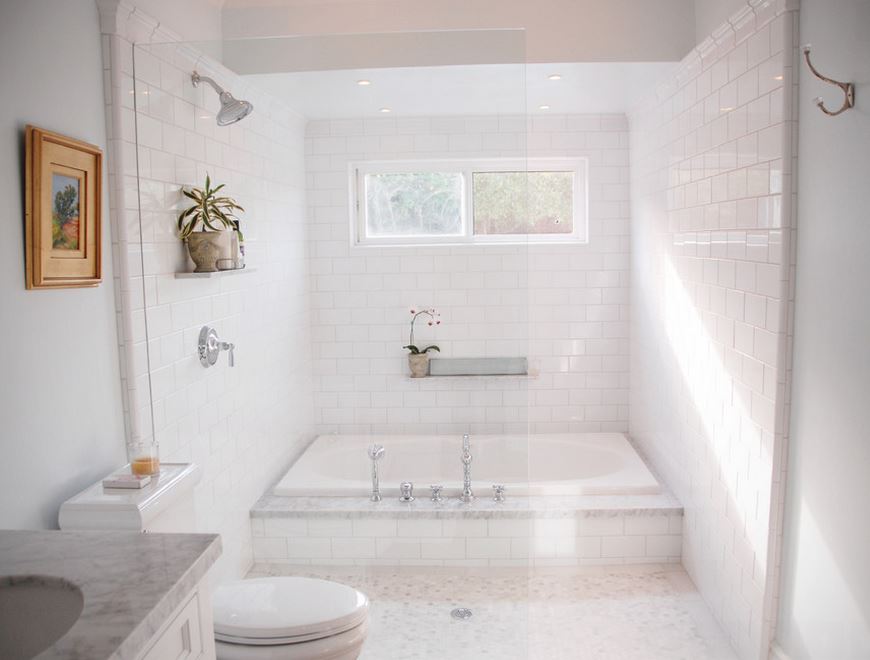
{"x": 131, "y": 582}
{"x": 279, "y": 506}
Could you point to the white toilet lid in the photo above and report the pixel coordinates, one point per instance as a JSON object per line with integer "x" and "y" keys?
{"x": 284, "y": 610}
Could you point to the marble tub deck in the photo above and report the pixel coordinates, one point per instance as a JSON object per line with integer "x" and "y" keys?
{"x": 278, "y": 506}
{"x": 646, "y": 612}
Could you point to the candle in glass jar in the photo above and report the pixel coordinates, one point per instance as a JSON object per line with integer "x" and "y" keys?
{"x": 145, "y": 465}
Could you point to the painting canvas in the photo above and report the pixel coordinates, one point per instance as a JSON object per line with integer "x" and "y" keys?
{"x": 65, "y": 191}
{"x": 62, "y": 211}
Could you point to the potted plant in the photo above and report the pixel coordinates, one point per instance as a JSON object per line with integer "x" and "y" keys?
{"x": 216, "y": 219}
{"x": 418, "y": 358}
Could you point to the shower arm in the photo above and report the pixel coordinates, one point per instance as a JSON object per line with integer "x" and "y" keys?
{"x": 195, "y": 78}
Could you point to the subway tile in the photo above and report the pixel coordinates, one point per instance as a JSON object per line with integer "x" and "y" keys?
{"x": 488, "y": 548}
{"x": 308, "y": 548}
{"x": 419, "y": 528}
{"x": 396, "y": 548}
{"x": 374, "y": 527}
{"x": 623, "y": 546}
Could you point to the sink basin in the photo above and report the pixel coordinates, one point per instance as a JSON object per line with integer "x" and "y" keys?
{"x": 35, "y": 612}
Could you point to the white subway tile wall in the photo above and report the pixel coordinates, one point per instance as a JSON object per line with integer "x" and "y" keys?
{"x": 614, "y": 538}
{"x": 563, "y": 306}
{"x": 711, "y": 273}
{"x": 241, "y": 425}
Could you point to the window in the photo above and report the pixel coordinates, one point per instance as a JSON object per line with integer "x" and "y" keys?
{"x": 476, "y": 202}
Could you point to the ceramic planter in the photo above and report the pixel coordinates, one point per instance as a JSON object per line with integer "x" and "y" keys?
{"x": 207, "y": 247}
{"x": 419, "y": 365}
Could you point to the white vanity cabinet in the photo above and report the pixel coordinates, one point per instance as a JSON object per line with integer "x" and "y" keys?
{"x": 188, "y": 634}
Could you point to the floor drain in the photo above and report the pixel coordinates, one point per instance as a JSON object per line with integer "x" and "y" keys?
{"x": 461, "y": 613}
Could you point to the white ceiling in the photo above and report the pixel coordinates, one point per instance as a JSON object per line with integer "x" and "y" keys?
{"x": 467, "y": 89}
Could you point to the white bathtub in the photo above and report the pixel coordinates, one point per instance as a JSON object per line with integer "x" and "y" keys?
{"x": 546, "y": 464}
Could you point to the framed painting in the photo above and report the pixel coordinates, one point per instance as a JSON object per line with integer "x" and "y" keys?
{"x": 63, "y": 182}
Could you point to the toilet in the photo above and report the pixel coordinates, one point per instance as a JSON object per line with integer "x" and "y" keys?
{"x": 289, "y": 618}
{"x": 270, "y": 618}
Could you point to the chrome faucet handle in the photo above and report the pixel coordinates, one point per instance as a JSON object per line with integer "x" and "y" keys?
{"x": 229, "y": 347}
{"x": 436, "y": 493}
{"x": 407, "y": 490}
{"x": 210, "y": 347}
{"x": 376, "y": 451}
{"x": 498, "y": 492}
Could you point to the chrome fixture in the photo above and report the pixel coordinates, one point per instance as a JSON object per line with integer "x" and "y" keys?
{"x": 467, "y": 494}
{"x": 498, "y": 492}
{"x": 232, "y": 109}
{"x": 375, "y": 453}
{"x": 407, "y": 490}
{"x": 461, "y": 613}
{"x": 436, "y": 493}
{"x": 210, "y": 347}
{"x": 847, "y": 88}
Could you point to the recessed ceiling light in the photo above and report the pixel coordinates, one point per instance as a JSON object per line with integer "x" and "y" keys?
{"x": 554, "y": 76}
{"x": 543, "y": 107}
{"x": 779, "y": 77}
{"x": 385, "y": 110}
{"x": 363, "y": 83}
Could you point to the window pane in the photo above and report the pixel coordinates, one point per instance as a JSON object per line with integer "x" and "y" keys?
{"x": 413, "y": 204}
{"x": 523, "y": 202}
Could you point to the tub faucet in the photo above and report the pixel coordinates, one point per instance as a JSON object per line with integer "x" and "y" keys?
{"x": 467, "y": 494}
{"x": 375, "y": 454}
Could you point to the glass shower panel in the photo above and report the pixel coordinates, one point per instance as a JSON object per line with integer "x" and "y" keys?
{"x": 366, "y": 177}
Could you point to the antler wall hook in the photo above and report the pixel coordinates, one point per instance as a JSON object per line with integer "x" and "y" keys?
{"x": 847, "y": 87}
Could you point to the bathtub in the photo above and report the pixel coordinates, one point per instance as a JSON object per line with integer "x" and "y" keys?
{"x": 543, "y": 464}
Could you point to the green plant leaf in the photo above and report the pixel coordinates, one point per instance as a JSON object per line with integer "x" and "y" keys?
{"x": 414, "y": 350}
{"x": 209, "y": 212}
{"x": 431, "y": 348}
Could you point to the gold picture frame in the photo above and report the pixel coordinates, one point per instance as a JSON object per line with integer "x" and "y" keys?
{"x": 63, "y": 214}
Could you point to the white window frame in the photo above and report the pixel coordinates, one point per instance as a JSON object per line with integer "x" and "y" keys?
{"x": 467, "y": 167}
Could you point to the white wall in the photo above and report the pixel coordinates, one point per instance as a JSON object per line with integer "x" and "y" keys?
{"x": 825, "y": 602}
{"x": 241, "y": 425}
{"x": 62, "y": 426}
{"x": 711, "y": 228}
{"x": 563, "y": 306}
{"x": 556, "y": 30}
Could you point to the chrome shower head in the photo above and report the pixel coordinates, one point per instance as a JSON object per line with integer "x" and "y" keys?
{"x": 232, "y": 109}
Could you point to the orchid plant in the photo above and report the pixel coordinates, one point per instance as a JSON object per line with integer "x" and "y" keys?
{"x": 434, "y": 319}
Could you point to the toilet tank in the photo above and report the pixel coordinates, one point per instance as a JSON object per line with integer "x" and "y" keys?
{"x": 164, "y": 505}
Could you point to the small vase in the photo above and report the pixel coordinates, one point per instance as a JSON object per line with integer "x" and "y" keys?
{"x": 206, "y": 247}
{"x": 419, "y": 365}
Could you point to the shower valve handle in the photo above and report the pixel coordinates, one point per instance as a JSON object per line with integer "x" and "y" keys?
{"x": 229, "y": 347}
{"x": 210, "y": 347}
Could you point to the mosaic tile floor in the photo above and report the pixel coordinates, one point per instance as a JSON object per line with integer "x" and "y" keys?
{"x": 588, "y": 613}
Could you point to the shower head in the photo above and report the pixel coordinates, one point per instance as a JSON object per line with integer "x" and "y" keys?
{"x": 232, "y": 109}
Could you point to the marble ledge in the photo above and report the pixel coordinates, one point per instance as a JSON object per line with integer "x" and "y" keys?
{"x": 275, "y": 506}
{"x": 130, "y": 582}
